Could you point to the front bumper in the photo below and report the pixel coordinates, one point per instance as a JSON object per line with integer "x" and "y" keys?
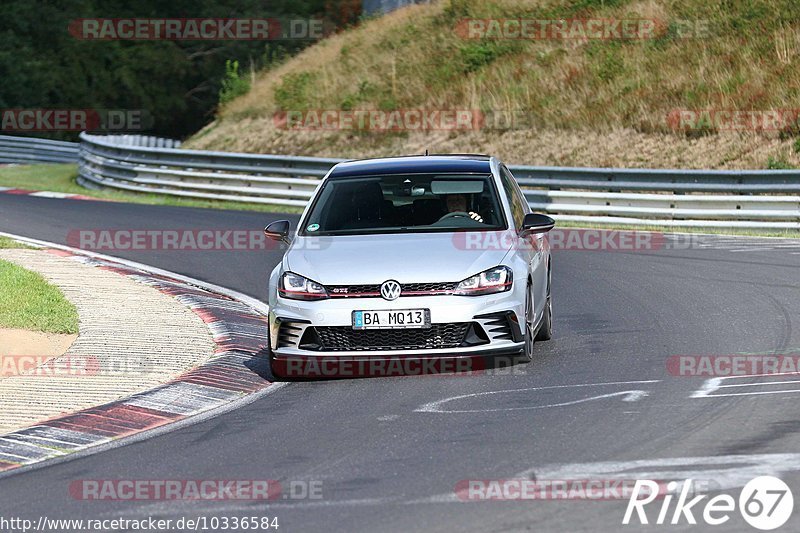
{"x": 487, "y": 324}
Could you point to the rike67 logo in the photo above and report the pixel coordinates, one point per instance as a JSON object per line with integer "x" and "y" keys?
{"x": 766, "y": 503}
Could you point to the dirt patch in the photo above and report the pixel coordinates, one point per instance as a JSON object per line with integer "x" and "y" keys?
{"x": 24, "y": 342}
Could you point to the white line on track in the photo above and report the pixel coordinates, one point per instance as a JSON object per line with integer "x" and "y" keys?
{"x": 628, "y": 396}
{"x": 726, "y": 472}
{"x": 710, "y": 386}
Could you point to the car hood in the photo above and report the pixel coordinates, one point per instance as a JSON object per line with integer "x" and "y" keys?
{"x": 407, "y": 258}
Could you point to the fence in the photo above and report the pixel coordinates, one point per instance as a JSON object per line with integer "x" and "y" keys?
{"x": 689, "y": 198}
{"x": 27, "y": 150}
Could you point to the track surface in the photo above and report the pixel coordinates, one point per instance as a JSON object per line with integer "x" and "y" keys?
{"x": 384, "y": 466}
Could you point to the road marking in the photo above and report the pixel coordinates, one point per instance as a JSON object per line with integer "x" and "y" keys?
{"x": 712, "y": 385}
{"x": 199, "y": 507}
{"x": 726, "y": 471}
{"x": 50, "y": 194}
{"x": 760, "y": 383}
{"x": 627, "y": 396}
{"x": 759, "y": 393}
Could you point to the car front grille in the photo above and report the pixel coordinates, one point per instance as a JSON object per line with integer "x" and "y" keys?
{"x": 406, "y": 289}
{"x": 341, "y": 338}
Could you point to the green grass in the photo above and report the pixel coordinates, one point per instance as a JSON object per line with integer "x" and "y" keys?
{"x": 61, "y": 178}
{"x": 742, "y": 232}
{"x": 6, "y": 243}
{"x": 30, "y": 302}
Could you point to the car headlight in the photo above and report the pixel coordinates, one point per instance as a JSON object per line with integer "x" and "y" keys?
{"x": 296, "y": 287}
{"x": 497, "y": 279}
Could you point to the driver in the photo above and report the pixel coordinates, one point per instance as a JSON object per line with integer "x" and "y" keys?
{"x": 457, "y": 206}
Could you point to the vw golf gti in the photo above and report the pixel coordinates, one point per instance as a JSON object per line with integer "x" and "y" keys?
{"x": 418, "y": 256}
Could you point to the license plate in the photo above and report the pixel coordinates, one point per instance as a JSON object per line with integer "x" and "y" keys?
{"x": 392, "y": 319}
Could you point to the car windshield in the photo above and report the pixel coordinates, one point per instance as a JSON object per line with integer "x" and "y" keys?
{"x": 405, "y": 203}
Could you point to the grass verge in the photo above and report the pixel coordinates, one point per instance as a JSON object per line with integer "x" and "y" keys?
{"x": 738, "y": 232}
{"x": 6, "y": 243}
{"x": 61, "y": 178}
{"x": 29, "y": 302}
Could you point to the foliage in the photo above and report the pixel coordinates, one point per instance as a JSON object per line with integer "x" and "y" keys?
{"x": 178, "y": 83}
{"x": 233, "y": 84}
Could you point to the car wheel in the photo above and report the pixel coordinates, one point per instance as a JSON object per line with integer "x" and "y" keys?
{"x": 528, "y": 350}
{"x": 546, "y": 329}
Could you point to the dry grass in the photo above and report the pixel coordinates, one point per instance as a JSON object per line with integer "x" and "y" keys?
{"x": 587, "y": 102}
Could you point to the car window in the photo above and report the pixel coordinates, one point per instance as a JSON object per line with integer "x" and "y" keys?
{"x": 519, "y": 206}
{"x": 405, "y": 203}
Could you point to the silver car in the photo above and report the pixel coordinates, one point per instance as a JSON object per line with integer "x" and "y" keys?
{"x": 411, "y": 257}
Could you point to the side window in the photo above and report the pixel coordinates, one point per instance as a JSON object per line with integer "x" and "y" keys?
{"x": 519, "y": 207}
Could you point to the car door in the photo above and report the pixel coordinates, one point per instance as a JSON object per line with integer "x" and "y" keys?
{"x": 533, "y": 248}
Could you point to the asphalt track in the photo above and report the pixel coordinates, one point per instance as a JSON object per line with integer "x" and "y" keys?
{"x": 386, "y": 465}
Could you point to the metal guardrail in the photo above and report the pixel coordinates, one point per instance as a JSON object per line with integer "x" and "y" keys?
{"x": 681, "y": 198}
{"x": 678, "y": 198}
{"x": 264, "y": 179}
{"x": 27, "y": 150}
{"x": 720, "y": 198}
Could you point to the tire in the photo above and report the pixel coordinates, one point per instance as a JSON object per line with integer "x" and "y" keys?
{"x": 546, "y": 328}
{"x": 527, "y": 352}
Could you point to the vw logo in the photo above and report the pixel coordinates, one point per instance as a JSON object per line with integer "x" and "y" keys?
{"x": 390, "y": 290}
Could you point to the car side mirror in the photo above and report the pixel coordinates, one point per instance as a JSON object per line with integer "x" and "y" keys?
{"x": 536, "y": 223}
{"x": 278, "y": 231}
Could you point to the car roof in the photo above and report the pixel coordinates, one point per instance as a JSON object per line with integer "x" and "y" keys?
{"x": 416, "y": 164}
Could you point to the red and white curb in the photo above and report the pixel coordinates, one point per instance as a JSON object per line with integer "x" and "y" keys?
{"x": 48, "y": 194}
{"x": 239, "y": 370}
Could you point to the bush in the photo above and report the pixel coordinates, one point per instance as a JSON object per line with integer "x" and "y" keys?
{"x": 294, "y": 92}
{"x": 477, "y": 55}
{"x": 233, "y": 85}
{"x": 779, "y": 163}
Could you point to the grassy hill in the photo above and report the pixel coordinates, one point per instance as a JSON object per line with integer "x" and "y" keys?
{"x": 576, "y": 101}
